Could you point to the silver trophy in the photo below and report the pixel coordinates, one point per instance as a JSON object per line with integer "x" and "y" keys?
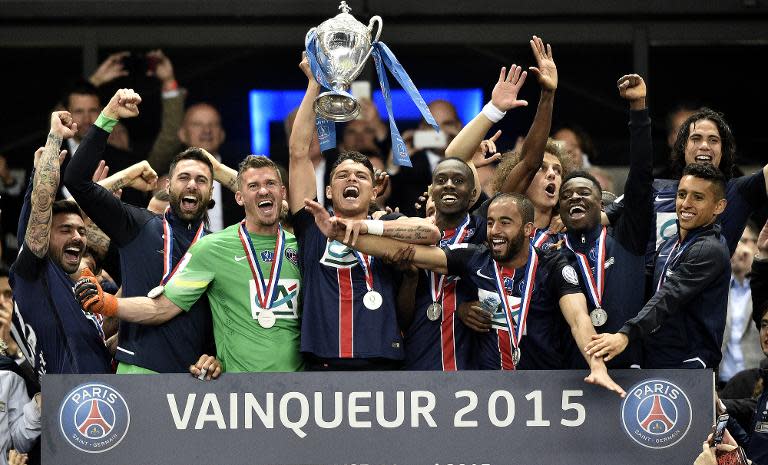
{"x": 343, "y": 45}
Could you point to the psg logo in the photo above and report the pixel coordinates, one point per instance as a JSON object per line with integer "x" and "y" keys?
{"x": 94, "y": 417}
{"x": 656, "y": 414}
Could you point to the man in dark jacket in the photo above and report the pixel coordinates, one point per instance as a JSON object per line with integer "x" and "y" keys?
{"x": 682, "y": 325}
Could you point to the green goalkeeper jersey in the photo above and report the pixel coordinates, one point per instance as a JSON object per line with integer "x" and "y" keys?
{"x": 217, "y": 265}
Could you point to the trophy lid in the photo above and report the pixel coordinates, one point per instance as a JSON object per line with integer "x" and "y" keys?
{"x": 343, "y": 21}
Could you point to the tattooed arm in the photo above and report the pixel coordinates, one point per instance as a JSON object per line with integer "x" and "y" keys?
{"x": 139, "y": 176}
{"x": 45, "y": 184}
{"x": 223, "y": 173}
{"x": 97, "y": 240}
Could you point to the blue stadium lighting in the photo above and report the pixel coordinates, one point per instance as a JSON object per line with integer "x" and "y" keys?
{"x": 267, "y": 106}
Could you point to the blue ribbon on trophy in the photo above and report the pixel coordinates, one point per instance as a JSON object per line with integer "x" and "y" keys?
{"x": 326, "y": 129}
{"x": 345, "y": 45}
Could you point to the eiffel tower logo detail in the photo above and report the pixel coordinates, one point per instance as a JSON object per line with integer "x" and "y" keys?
{"x": 657, "y": 414}
{"x": 95, "y": 425}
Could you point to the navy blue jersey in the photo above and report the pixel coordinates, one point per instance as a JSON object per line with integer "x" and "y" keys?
{"x": 623, "y": 295}
{"x": 445, "y": 344}
{"x": 541, "y": 345}
{"x": 335, "y": 323}
{"x": 744, "y": 194}
{"x": 625, "y": 242}
{"x": 64, "y": 339}
{"x": 682, "y": 325}
{"x": 176, "y": 344}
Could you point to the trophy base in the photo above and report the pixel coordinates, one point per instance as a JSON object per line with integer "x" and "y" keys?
{"x": 336, "y": 107}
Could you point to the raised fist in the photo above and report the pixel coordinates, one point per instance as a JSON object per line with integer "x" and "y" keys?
{"x": 124, "y": 104}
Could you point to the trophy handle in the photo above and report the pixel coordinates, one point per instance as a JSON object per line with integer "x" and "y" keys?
{"x": 375, "y": 20}
{"x": 306, "y": 37}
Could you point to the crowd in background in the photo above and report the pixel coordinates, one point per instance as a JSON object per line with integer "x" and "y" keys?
{"x": 702, "y": 254}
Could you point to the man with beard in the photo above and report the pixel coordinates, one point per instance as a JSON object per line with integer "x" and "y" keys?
{"x": 704, "y": 137}
{"x": 538, "y": 169}
{"x": 682, "y": 325}
{"x": 250, "y": 273}
{"x": 435, "y": 338}
{"x": 150, "y": 245}
{"x": 611, "y": 261}
{"x": 349, "y": 320}
{"x": 67, "y": 341}
{"x": 536, "y": 289}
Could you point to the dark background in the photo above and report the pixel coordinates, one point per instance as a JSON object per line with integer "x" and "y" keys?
{"x": 710, "y": 52}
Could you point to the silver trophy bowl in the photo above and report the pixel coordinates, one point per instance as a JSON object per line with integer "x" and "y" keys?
{"x": 343, "y": 45}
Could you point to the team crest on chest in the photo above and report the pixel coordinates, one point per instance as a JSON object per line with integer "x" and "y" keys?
{"x": 292, "y": 255}
{"x": 569, "y": 274}
{"x": 338, "y": 255}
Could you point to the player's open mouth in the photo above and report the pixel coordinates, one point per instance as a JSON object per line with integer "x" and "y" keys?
{"x": 550, "y": 189}
{"x": 449, "y": 199}
{"x": 498, "y": 244}
{"x": 704, "y": 158}
{"x": 72, "y": 254}
{"x": 351, "y": 192}
{"x": 687, "y": 215}
{"x": 266, "y": 206}
{"x": 189, "y": 203}
{"x": 577, "y": 212}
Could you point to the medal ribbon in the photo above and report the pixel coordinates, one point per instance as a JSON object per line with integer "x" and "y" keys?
{"x": 671, "y": 260}
{"x": 595, "y": 284}
{"x": 168, "y": 269}
{"x": 540, "y": 236}
{"x": 365, "y": 262}
{"x": 436, "y": 280}
{"x": 266, "y": 292}
{"x": 516, "y": 333}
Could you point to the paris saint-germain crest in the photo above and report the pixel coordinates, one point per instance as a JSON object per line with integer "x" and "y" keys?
{"x": 656, "y": 414}
{"x": 94, "y": 417}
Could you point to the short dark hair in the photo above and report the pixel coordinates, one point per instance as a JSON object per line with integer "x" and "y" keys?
{"x": 192, "y": 153}
{"x": 356, "y": 157}
{"x": 162, "y": 195}
{"x": 727, "y": 142}
{"x": 80, "y": 87}
{"x": 257, "y": 161}
{"x": 710, "y": 173}
{"x": 470, "y": 174}
{"x": 524, "y": 205}
{"x": 66, "y": 206}
{"x": 585, "y": 175}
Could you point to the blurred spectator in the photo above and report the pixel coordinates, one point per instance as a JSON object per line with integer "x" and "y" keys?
{"x": 82, "y": 101}
{"x": 741, "y": 345}
{"x": 578, "y": 144}
{"x": 368, "y": 134}
{"x": 755, "y": 438}
{"x": 202, "y": 128}
{"x": 604, "y": 177}
{"x": 11, "y": 197}
{"x": 676, "y": 117}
